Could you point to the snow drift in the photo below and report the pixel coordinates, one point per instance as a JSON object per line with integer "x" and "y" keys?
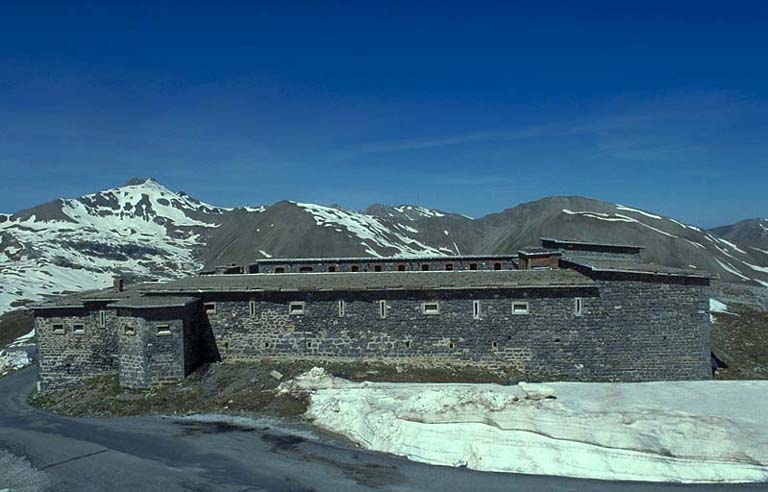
{"x": 705, "y": 431}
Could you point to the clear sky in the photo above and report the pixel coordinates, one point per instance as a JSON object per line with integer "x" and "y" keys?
{"x": 471, "y": 107}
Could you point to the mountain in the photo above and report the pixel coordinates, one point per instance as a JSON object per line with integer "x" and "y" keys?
{"x": 145, "y": 231}
{"x": 752, "y": 233}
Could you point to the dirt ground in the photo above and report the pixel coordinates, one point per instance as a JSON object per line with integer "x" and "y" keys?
{"x": 237, "y": 388}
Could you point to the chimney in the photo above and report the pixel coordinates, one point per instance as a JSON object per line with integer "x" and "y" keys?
{"x": 118, "y": 283}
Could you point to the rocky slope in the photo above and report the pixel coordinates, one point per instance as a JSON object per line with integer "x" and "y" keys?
{"x": 146, "y": 231}
{"x": 752, "y": 233}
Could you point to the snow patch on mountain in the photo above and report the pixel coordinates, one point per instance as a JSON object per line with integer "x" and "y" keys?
{"x": 142, "y": 228}
{"x": 375, "y": 235}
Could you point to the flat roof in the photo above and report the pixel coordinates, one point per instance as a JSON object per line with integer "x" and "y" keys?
{"x": 540, "y": 252}
{"x": 618, "y": 266}
{"x": 143, "y": 302}
{"x": 387, "y": 259}
{"x": 590, "y": 243}
{"x": 351, "y": 281}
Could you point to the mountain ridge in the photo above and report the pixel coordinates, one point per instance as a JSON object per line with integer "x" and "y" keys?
{"x": 146, "y": 231}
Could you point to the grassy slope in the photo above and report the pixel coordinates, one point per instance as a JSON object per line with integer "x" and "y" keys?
{"x": 741, "y": 341}
{"x": 14, "y": 324}
{"x": 235, "y": 388}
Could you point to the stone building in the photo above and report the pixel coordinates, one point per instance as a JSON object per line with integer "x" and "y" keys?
{"x": 569, "y": 310}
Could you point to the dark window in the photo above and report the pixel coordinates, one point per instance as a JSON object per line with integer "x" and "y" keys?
{"x": 382, "y": 309}
{"x": 78, "y": 329}
{"x": 425, "y": 267}
{"x": 494, "y": 344}
{"x": 377, "y": 268}
{"x": 400, "y": 268}
{"x": 210, "y": 307}
{"x": 252, "y": 308}
{"x": 331, "y": 269}
{"x": 473, "y": 266}
{"x": 451, "y": 345}
{"x": 59, "y": 329}
{"x": 267, "y": 345}
{"x": 102, "y": 318}
{"x": 408, "y": 344}
{"x": 296, "y": 307}
{"x": 163, "y": 329}
{"x": 355, "y": 268}
{"x": 129, "y": 330}
{"x": 497, "y": 266}
{"x": 449, "y": 266}
{"x": 279, "y": 269}
{"x": 305, "y": 269}
{"x": 309, "y": 344}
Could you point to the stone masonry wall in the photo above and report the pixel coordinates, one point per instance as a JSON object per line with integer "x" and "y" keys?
{"x": 147, "y": 356}
{"x": 68, "y": 357}
{"x": 629, "y": 330}
{"x": 387, "y": 265}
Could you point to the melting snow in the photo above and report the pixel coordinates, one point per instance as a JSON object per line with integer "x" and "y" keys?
{"x": 616, "y": 218}
{"x": 698, "y": 431}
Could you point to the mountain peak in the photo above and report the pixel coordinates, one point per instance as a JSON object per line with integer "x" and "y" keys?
{"x": 135, "y": 181}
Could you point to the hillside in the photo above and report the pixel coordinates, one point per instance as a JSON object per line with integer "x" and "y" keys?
{"x": 752, "y": 233}
{"x": 145, "y": 231}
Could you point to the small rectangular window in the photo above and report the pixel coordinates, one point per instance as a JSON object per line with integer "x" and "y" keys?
{"x": 448, "y": 267}
{"x": 296, "y": 308}
{"x": 279, "y": 270}
{"x": 129, "y": 330}
{"x": 376, "y": 268}
{"x": 425, "y": 267}
{"x": 331, "y": 269}
{"x": 473, "y": 266}
{"x": 163, "y": 330}
{"x": 497, "y": 266}
{"x": 430, "y": 308}
{"x": 354, "y": 268}
{"x": 305, "y": 269}
{"x": 400, "y": 268}
{"x": 252, "y": 308}
{"x": 58, "y": 329}
{"x": 519, "y": 307}
{"x": 78, "y": 329}
{"x": 476, "y": 309}
{"x": 309, "y": 344}
{"x": 342, "y": 309}
{"x": 102, "y": 319}
{"x": 210, "y": 308}
{"x": 578, "y": 306}
{"x": 382, "y": 309}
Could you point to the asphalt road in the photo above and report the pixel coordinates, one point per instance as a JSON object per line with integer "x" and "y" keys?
{"x": 155, "y": 453}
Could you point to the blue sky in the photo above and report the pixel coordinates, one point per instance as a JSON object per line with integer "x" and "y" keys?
{"x": 471, "y": 107}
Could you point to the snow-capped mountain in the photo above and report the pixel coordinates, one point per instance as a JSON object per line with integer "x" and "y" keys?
{"x": 141, "y": 229}
{"x": 752, "y": 233}
{"x": 145, "y": 231}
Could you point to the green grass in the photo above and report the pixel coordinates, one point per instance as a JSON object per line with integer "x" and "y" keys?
{"x": 14, "y": 324}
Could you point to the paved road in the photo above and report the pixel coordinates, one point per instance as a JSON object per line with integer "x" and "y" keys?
{"x": 154, "y": 453}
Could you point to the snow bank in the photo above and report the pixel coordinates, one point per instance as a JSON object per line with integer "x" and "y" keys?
{"x": 670, "y": 431}
{"x": 10, "y": 361}
{"x": 24, "y": 340}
